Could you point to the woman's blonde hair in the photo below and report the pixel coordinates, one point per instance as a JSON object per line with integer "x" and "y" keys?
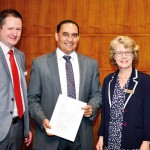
{"x": 127, "y": 42}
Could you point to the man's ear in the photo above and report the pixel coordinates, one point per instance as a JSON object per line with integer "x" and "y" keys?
{"x": 56, "y": 36}
{"x": 78, "y": 37}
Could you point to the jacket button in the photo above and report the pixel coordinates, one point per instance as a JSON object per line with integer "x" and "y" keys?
{"x": 125, "y": 110}
{"x": 11, "y": 112}
{"x": 12, "y": 99}
{"x": 125, "y": 124}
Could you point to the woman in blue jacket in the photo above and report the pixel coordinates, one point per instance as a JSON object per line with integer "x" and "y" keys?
{"x": 125, "y": 122}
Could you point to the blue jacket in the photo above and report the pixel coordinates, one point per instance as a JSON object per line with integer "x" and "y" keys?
{"x": 136, "y": 117}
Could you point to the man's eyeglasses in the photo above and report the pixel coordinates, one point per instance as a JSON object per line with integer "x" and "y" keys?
{"x": 127, "y": 53}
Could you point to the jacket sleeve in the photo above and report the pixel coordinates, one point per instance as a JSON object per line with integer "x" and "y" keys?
{"x": 95, "y": 94}
{"x": 34, "y": 96}
{"x": 102, "y": 124}
{"x": 147, "y": 110}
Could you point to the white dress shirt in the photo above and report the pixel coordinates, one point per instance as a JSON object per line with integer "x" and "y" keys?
{"x": 62, "y": 71}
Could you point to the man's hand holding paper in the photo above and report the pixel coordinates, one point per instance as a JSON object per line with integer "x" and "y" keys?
{"x": 66, "y": 117}
{"x": 88, "y": 110}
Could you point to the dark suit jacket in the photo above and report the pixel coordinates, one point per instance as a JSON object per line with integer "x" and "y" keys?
{"x": 44, "y": 89}
{"x": 136, "y": 119}
{"x": 7, "y": 94}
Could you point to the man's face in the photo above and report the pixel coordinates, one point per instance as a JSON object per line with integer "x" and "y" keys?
{"x": 68, "y": 38}
{"x": 10, "y": 32}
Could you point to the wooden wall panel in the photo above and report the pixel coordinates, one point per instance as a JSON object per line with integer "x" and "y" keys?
{"x": 99, "y": 20}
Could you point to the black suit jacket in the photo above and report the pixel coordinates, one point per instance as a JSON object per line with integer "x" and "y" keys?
{"x": 136, "y": 119}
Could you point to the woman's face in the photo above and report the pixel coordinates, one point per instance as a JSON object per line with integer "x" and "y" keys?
{"x": 123, "y": 56}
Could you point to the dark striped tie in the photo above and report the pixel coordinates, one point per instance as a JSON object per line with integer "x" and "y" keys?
{"x": 71, "y": 91}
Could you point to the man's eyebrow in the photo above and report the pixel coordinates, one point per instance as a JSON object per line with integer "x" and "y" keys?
{"x": 70, "y": 33}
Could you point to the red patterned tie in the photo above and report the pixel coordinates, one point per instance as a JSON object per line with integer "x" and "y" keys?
{"x": 16, "y": 82}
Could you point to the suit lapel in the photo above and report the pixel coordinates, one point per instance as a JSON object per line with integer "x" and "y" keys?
{"x": 82, "y": 71}
{"x": 131, "y": 88}
{"x": 111, "y": 86}
{"x": 19, "y": 60}
{"x": 21, "y": 65}
{"x": 3, "y": 59}
{"x": 53, "y": 66}
{"x": 132, "y": 85}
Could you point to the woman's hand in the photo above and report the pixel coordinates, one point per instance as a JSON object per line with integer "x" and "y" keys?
{"x": 100, "y": 142}
{"x": 145, "y": 145}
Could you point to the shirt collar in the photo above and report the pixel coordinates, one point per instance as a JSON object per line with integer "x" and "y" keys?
{"x": 5, "y": 49}
{"x": 60, "y": 54}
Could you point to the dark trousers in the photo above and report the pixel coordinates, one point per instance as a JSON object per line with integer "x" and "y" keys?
{"x": 14, "y": 138}
{"x": 68, "y": 145}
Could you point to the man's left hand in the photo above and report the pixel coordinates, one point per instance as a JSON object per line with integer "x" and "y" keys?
{"x": 88, "y": 110}
{"x": 28, "y": 139}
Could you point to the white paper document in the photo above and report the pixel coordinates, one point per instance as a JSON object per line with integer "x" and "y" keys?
{"x": 66, "y": 117}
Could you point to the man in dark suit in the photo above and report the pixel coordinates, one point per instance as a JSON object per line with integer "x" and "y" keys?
{"x": 14, "y": 117}
{"x": 48, "y": 80}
